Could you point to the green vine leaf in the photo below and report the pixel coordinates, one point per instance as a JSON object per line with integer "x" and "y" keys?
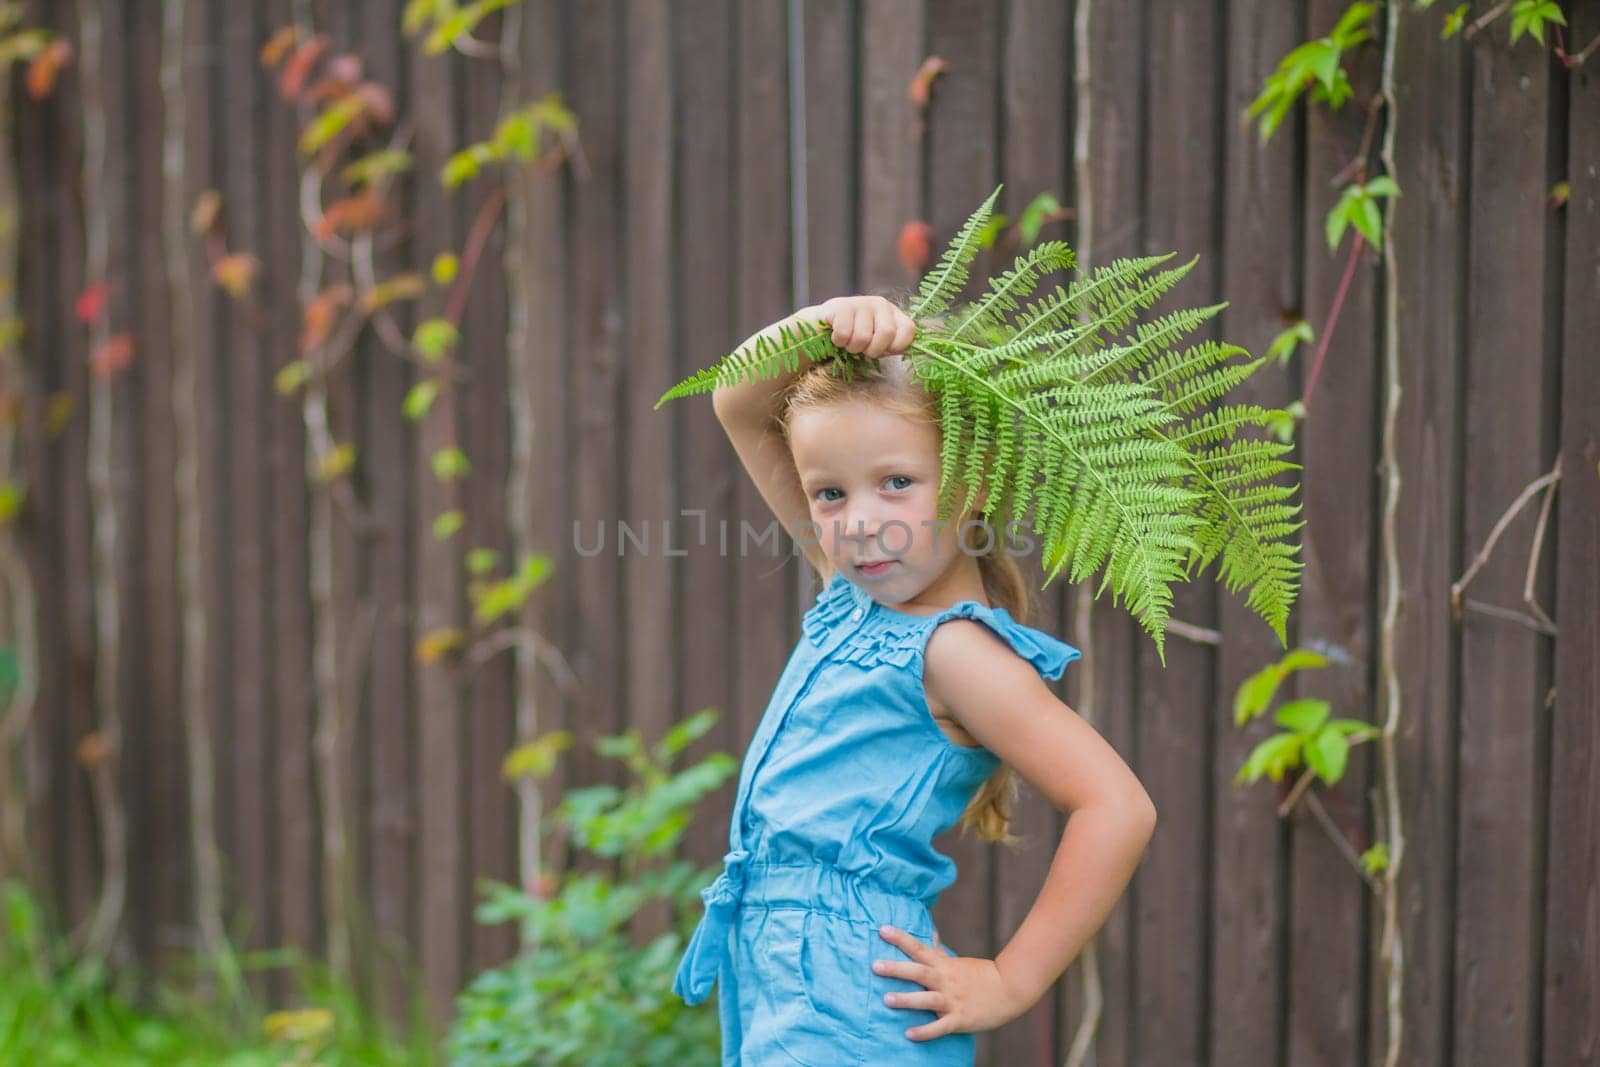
{"x": 450, "y": 463}
{"x": 1530, "y": 16}
{"x": 420, "y": 398}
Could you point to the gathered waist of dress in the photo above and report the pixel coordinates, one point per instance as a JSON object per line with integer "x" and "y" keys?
{"x": 818, "y": 886}
{"x": 750, "y": 883}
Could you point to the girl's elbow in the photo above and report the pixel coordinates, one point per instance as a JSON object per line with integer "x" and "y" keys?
{"x": 1144, "y": 810}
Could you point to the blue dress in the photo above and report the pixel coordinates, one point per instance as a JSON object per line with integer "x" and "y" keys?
{"x": 845, "y": 784}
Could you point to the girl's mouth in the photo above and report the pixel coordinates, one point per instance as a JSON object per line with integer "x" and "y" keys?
{"x": 875, "y": 568}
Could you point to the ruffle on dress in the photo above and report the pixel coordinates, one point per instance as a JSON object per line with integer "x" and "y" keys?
{"x": 1048, "y": 655}
{"x": 901, "y": 644}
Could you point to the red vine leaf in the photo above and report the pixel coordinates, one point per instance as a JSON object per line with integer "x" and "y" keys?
{"x": 922, "y": 83}
{"x": 299, "y": 66}
{"x": 319, "y": 316}
{"x": 113, "y": 356}
{"x": 278, "y": 45}
{"x": 46, "y": 65}
{"x": 915, "y": 245}
{"x": 91, "y": 301}
{"x": 354, "y": 214}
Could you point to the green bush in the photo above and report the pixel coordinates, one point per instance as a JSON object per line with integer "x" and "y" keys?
{"x": 581, "y": 991}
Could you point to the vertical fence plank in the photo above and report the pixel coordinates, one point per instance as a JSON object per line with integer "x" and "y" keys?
{"x": 1326, "y": 1004}
{"x": 1260, "y": 279}
{"x": 1176, "y": 717}
{"x": 487, "y": 443}
{"x": 832, "y": 133}
{"x": 702, "y": 47}
{"x": 247, "y": 560}
{"x": 83, "y": 864}
{"x": 1504, "y": 666}
{"x": 155, "y": 795}
{"x": 442, "y": 899}
{"x": 542, "y": 370}
{"x": 650, "y": 491}
{"x": 40, "y": 239}
{"x": 386, "y": 749}
{"x": 1109, "y": 222}
{"x": 1571, "y": 979}
{"x": 294, "y": 835}
{"x": 1431, "y": 144}
{"x": 597, "y": 358}
{"x": 891, "y": 49}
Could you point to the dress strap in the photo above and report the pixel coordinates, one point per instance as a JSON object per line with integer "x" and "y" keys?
{"x": 1049, "y": 655}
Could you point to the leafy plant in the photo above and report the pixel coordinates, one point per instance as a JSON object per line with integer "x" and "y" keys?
{"x": 1310, "y": 735}
{"x": 1107, "y": 445}
{"x": 61, "y": 1008}
{"x": 1315, "y": 65}
{"x": 582, "y": 992}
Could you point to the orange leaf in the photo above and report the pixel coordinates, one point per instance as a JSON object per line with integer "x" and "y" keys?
{"x": 113, "y": 356}
{"x": 352, "y": 215}
{"x": 207, "y": 207}
{"x": 922, "y": 82}
{"x": 91, "y": 301}
{"x": 299, "y": 66}
{"x": 401, "y": 287}
{"x": 235, "y": 272}
{"x": 10, "y": 409}
{"x": 278, "y": 44}
{"x": 434, "y": 644}
{"x": 93, "y": 750}
{"x": 45, "y": 66}
{"x": 915, "y": 245}
{"x": 319, "y": 316}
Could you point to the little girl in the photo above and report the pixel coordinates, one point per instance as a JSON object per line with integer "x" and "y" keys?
{"x": 913, "y": 693}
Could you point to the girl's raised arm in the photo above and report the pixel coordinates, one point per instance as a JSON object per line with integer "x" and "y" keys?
{"x": 749, "y": 413}
{"x": 867, "y": 325}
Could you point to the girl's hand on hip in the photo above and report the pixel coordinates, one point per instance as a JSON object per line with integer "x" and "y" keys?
{"x": 968, "y": 992}
{"x": 868, "y": 325}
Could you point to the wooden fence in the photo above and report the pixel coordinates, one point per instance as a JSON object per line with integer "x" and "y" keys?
{"x": 739, "y": 159}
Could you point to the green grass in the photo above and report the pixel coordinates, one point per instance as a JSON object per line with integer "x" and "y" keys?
{"x": 59, "y": 1010}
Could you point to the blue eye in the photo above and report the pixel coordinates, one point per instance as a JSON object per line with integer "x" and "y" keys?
{"x": 901, "y": 478}
{"x": 821, "y": 492}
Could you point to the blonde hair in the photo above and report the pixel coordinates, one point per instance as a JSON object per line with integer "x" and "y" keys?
{"x": 889, "y": 385}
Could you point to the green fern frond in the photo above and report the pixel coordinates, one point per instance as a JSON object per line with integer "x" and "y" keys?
{"x": 767, "y": 358}
{"x": 949, "y": 276}
{"x": 1116, "y": 448}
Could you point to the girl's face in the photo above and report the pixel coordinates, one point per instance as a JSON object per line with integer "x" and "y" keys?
{"x": 871, "y": 478}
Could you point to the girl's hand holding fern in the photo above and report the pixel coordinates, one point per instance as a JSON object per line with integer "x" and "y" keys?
{"x": 867, "y": 325}
{"x": 862, "y": 325}
{"x": 968, "y": 992}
